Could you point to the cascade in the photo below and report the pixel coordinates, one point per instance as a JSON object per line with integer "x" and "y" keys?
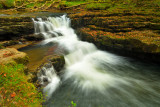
{"x": 92, "y": 77}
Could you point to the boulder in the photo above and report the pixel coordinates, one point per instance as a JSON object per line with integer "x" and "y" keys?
{"x": 34, "y": 37}
{"x": 57, "y": 62}
{"x": 15, "y": 27}
{"x": 11, "y": 55}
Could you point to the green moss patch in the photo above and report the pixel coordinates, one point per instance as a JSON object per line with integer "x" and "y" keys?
{"x": 15, "y": 89}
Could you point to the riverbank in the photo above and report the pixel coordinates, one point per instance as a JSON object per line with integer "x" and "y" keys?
{"x": 16, "y": 87}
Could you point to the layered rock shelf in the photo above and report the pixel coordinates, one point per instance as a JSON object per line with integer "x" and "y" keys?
{"x": 135, "y": 34}
{"x": 15, "y": 27}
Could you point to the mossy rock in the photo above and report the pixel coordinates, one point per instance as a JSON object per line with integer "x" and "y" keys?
{"x": 57, "y": 61}
{"x": 23, "y": 60}
{"x": 11, "y": 55}
{"x": 1, "y": 46}
{"x": 15, "y": 27}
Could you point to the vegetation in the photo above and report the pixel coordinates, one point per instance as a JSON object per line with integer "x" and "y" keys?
{"x": 7, "y": 3}
{"x": 15, "y": 89}
{"x": 1, "y": 46}
{"x": 72, "y": 3}
{"x": 110, "y": 5}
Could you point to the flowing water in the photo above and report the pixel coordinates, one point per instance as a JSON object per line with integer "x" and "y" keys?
{"x": 95, "y": 78}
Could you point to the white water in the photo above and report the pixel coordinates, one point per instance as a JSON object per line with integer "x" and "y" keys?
{"x": 48, "y": 74}
{"x": 90, "y": 70}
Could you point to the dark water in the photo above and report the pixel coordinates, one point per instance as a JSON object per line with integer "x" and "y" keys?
{"x": 143, "y": 89}
{"x": 91, "y": 77}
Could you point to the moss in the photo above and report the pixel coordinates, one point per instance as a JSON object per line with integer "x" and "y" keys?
{"x": 98, "y": 6}
{"x": 8, "y": 3}
{"x": 1, "y": 6}
{"x": 15, "y": 90}
{"x": 140, "y": 41}
{"x": 23, "y": 60}
{"x": 73, "y": 3}
{"x": 1, "y": 46}
{"x": 57, "y": 61}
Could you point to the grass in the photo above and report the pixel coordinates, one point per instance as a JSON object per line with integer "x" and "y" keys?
{"x": 125, "y": 4}
{"x": 73, "y": 3}
{"x": 111, "y": 5}
{"x": 7, "y": 4}
{"x": 14, "y": 88}
{"x": 97, "y": 6}
{"x": 30, "y": 5}
{"x": 1, "y": 6}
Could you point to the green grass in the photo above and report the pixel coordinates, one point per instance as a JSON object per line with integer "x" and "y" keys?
{"x": 30, "y": 5}
{"x": 1, "y": 6}
{"x": 97, "y": 6}
{"x": 67, "y": 3}
{"x": 8, "y": 4}
{"x": 14, "y": 88}
{"x": 125, "y": 4}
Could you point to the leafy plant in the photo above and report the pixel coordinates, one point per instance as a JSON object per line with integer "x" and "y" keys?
{"x": 73, "y": 104}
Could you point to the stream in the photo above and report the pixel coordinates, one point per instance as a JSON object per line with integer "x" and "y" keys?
{"x": 91, "y": 77}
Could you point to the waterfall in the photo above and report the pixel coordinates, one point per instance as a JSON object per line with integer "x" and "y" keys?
{"x": 90, "y": 70}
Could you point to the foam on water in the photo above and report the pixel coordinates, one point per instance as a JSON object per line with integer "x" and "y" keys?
{"x": 88, "y": 68}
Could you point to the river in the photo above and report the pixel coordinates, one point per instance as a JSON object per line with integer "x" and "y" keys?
{"x": 92, "y": 77}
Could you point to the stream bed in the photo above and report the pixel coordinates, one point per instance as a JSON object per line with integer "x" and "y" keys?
{"x": 91, "y": 77}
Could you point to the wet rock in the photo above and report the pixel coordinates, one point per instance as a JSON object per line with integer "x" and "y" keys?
{"x": 43, "y": 79}
{"x": 9, "y": 43}
{"x": 12, "y": 28}
{"x": 115, "y": 22}
{"x": 11, "y": 55}
{"x": 52, "y": 64}
{"x": 128, "y": 33}
{"x": 34, "y": 37}
{"x": 128, "y": 46}
{"x": 57, "y": 62}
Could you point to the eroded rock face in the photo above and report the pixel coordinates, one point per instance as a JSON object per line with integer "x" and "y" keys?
{"x": 57, "y": 62}
{"x": 15, "y": 27}
{"x": 34, "y": 37}
{"x": 128, "y": 33}
{"x": 11, "y": 55}
{"x": 51, "y": 66}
